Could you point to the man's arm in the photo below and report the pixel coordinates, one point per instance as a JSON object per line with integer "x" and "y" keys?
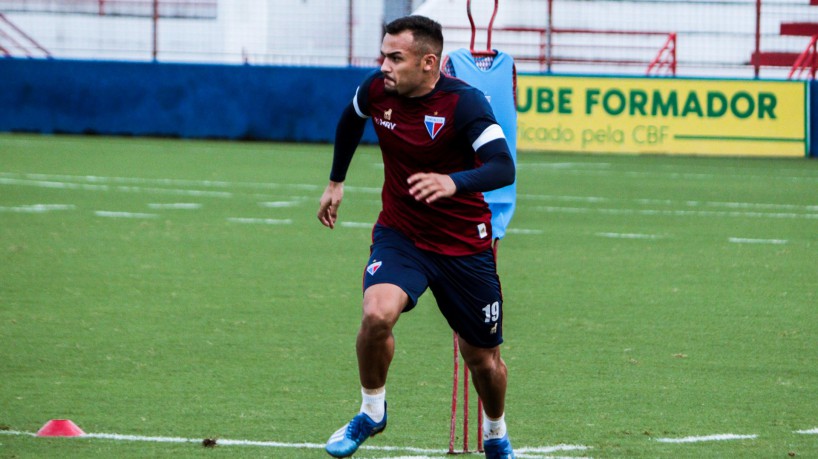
{"x": 347, "y": 137}
{"x": 497, "y": 169}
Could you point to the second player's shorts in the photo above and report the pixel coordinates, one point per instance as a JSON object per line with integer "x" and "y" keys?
{"x": 467, "y": 288}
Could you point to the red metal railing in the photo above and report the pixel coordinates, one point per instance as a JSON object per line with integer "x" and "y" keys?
{"x": 807, "y": 61}
{"x": 188, "y": 9}
{"x": 15, "y": 38}
{"x": 546, "y": 48}
{"x": 665, "y": 59}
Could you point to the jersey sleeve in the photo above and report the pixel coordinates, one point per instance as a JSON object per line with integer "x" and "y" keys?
{"x": 361, "y": 100}
{"x": 350, "y": 129}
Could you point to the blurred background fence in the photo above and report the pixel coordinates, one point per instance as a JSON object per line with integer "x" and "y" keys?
{"x": 731, "y": 38}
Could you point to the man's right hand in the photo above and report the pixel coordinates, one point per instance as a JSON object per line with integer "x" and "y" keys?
{"x": 330, "y": 201}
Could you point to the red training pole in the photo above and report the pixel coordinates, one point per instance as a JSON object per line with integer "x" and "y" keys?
{"x": 454, "y": 396}
{"x": 465, "y": 407}
{"x": 479, "y": 425}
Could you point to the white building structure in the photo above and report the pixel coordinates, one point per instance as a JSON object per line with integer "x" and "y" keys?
{"x": 713, "y": 37}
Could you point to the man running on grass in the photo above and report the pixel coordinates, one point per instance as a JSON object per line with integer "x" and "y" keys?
{"x": 442, "y": 148}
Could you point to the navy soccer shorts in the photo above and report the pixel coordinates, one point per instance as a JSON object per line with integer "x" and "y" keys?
{"x": 466, "y": 288}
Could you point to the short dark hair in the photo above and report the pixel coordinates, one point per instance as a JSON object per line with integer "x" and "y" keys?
{"x": 428, "y": 33}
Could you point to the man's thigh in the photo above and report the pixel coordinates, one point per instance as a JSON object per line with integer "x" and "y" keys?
{"x": 395, "y": 260}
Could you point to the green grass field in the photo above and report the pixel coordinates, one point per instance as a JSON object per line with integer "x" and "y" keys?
{"x": 185, "y": 289}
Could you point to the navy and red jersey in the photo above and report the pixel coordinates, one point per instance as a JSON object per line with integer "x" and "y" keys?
{"x": 446, "y": 132}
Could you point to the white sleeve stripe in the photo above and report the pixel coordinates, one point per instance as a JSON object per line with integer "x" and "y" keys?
{"x": 492, "y": 132}
{"x": 355, "y": 105}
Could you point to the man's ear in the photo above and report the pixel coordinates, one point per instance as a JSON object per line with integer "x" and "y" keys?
{"x": 430, "y": 62}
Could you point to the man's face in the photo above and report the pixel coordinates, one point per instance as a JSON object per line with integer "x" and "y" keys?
{"x": 402, "y": 67}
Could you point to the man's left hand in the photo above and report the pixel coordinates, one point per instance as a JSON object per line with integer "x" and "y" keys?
{"x": 429, "y": 187}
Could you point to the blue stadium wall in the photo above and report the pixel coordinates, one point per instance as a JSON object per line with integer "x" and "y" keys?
{"x": 299, "y": 104}
{"x": 178, "y": 100}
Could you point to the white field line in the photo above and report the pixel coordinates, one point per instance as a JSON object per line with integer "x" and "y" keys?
{"x": 602, "y": 169}
{"x": 628, "y": 236}
{"x": 525, "y": 452}
{"x": 516, "y": 454}
{"x": 175, "y": 205}
{"x": 563, "y": 166}
{"x": 102, "y": 181}
{"x": 38, "y": 208}
{"x": 523, "y": 231}
{"x": 265, "y": 221}
{"x": 550, "y": 449}
{"x": 412, "y": 457}
{"x": 760, "y": 206}
{"x": 676, "y": 213}
{"x": 719, "y": 437}
{"x": 114, "y": 214}
{"x": 52, "y": 184}
{"x": 97, "y": 183}
{"x": 672, "y": 203}
{"x": 219, "y": 441}
{"x": 563, "y": 198}
{"x": 175, "y": 192}
{"x": 742, "y": 240}
{"x": 106, "y": 188}
{"x": 62, "y": 180}
{"x": 808, "y": 432}
{"x": 17, "y": 433}
{"x": 278, "y": 204}
{"x": 362, "y": 225}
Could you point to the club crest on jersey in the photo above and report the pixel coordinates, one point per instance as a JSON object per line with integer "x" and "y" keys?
{"x": 373, "y": 267}
{"x": 434, "y": 124}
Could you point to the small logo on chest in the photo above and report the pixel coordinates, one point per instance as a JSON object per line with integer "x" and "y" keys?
{"x": 387, "y": 115}
{"x": 434, "y": 124}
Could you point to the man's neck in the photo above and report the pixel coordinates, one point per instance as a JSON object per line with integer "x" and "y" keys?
{"x": 428, "y": 87}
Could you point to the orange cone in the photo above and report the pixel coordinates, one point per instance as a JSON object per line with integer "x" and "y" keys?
{"x": 60, "y": 428}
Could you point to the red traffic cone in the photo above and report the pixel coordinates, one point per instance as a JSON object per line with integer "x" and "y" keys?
{"x": 60, "y": 428}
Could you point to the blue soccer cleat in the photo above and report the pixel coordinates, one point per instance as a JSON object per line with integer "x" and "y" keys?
{"x": 346, "y": 440}
{"x": 498, "y": 448}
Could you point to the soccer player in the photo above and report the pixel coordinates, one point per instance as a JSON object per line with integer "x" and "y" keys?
{"x": 441, "y": 148}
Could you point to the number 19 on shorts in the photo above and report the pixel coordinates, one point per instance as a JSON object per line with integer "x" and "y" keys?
{"x": 492, "y": 312}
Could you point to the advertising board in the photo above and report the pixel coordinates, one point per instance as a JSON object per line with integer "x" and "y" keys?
{"x": 661, "y": 115}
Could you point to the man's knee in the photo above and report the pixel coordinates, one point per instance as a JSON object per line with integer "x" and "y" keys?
{"x": 376, "y": 320}
{"x": 484, "y": 361}
{"x": 381, "y": 309}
